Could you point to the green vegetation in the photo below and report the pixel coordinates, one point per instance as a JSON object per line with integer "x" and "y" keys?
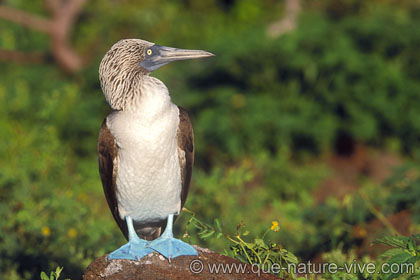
{"x": 54, "y": 275}
{"x": 317, "y": 129}
{"x": 261, "y": 251}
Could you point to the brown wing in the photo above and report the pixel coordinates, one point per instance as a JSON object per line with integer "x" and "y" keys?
{"x": 185, "y": 138}
{"x": 107, "y": 155}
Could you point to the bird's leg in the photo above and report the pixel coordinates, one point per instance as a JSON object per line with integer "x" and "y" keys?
{"x": 135, "y": 249}
{"x": 170, "y": 247}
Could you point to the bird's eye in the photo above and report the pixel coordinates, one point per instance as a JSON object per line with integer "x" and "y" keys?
{"x": 149, "y": 52}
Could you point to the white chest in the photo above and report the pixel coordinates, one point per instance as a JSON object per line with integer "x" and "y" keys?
{"x": 148, "y": 174}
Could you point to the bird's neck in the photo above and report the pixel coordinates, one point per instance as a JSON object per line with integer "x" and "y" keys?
{"x": 122, "y": 90}
{"x": 153, "y": 98}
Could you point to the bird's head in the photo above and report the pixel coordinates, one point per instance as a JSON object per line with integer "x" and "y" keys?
{"x": 130, "y": 59}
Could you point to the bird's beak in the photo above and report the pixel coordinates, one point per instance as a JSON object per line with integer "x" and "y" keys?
{"x": 157, "y": 56}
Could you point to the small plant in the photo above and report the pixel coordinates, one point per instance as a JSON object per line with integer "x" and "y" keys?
{"x": 405, "y": 252}
{"x": 260, "y": 251}
{"x": 54, "y": 275}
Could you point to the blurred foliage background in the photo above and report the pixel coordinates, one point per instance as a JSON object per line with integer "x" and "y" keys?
{"x": 316, "y": 125}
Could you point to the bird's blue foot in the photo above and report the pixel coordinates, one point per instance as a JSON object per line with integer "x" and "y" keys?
{"x": 135, "y": 249}
{"x": 170, "y": 247}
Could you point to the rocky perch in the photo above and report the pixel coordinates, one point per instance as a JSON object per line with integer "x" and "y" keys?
{"x": 155, "y": 266}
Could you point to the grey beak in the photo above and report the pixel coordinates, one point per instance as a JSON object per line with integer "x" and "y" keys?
{"x": 157, "y": 56}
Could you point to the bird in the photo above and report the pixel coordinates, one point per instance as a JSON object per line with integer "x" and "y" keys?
{"x": 145, "y": 148}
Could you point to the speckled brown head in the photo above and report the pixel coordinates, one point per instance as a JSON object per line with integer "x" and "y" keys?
{"x": 124, "y": 65}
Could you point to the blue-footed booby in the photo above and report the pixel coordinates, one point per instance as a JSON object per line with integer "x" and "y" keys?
{"x": 145, "y": 148}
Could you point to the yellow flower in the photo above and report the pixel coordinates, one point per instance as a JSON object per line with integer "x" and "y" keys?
{"x": 46, "y": 231}
{"x": 72, "y": 233}
{"x": 275, "y": 226}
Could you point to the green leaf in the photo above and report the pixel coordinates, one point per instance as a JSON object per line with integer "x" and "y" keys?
{"x": 391, "y": 252}
{"x": 413, "y": 260}
{"x": 400, "y": 258}
{"x": 394, "y": 241}
{"x": 58, "y": 271}
{"x": 44, "y": 276}
{"x": 411, "y": 246}
{"x": 217, "y": 224}
{"x": 288, "y": 256}
{"x": 205, "y": 235}
{"x": 259, "y": 242}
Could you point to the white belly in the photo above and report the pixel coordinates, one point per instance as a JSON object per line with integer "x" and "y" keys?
{"x": 148, "y": 175}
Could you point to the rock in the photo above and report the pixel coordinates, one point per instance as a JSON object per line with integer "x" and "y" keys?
{"x": 155, "y": 266}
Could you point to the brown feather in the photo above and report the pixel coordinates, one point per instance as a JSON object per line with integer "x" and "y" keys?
{"x": 107, "y": 154}
{"x": 185, "y": 138}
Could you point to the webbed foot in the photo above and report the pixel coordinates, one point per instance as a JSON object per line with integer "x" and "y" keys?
{"x": 170, "y": 247}
{"x": 135, "y": 249}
